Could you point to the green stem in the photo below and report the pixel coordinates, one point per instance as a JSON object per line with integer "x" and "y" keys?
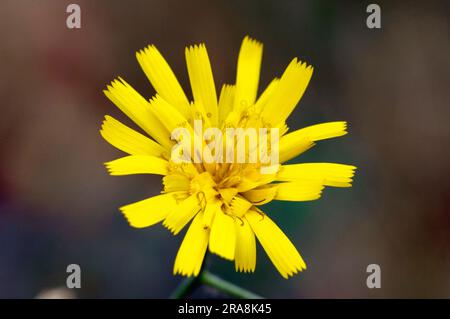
{"x": 207, "y": 278}
{"x": 185, "y": 288}
{"x": 230, "y": 289}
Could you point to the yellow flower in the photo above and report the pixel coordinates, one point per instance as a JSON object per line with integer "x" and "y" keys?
{"x": 221, "y": 198}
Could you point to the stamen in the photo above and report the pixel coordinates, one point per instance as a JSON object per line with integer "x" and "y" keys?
{"x": 259, "y": 201}
{"x": 259, "y": 212}
{"x": 242, "y": 221}
{"x": 201, "y": 201}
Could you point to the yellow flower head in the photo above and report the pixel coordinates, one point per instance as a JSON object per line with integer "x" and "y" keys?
{"x": 216, "y": 186}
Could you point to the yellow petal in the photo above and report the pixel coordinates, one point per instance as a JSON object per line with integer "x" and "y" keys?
{"x": 320, "y": 131}
{"x": 297, "y": 142}
{"x": 182, "y": 214}
{"x": 239, "y": 206}
{"x": 149, "y": 211}
{"x": 212, "y": 207}
{"x": 162, "y": 78}
{"x": 299, "y": 191}
{"x": 288, "y": 93}
{"x": 168, "y": 114}
{"x": 202, "y": 81}
{"x": 328, "y": 174}
{"x": 289, "y": 149}
{"x": 198, "y": 112}
{"x": 176, "y": 183}
{"x": 174, "y": 120}
{"x": 278, "y": 247}
{"x": 248, "y": 183}
{"x": 247, "y": 75}
{"x": 222, "y": 240}
{"x": 192, "y": 251}
{"x": 245, "y": 252}
{"x": 138, "y": 109}
{"x": 128, "y": 140}
{"x": 226, "y": 101}
{"x": 228, "y": 194}
{"x": 267, "y": 94}
{"x": 137, "y": 164}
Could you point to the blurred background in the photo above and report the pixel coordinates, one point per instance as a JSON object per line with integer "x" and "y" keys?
{"x": 58, "y": 206}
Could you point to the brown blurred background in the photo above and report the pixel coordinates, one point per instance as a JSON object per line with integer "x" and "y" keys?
{"x": 58, "y": 205}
